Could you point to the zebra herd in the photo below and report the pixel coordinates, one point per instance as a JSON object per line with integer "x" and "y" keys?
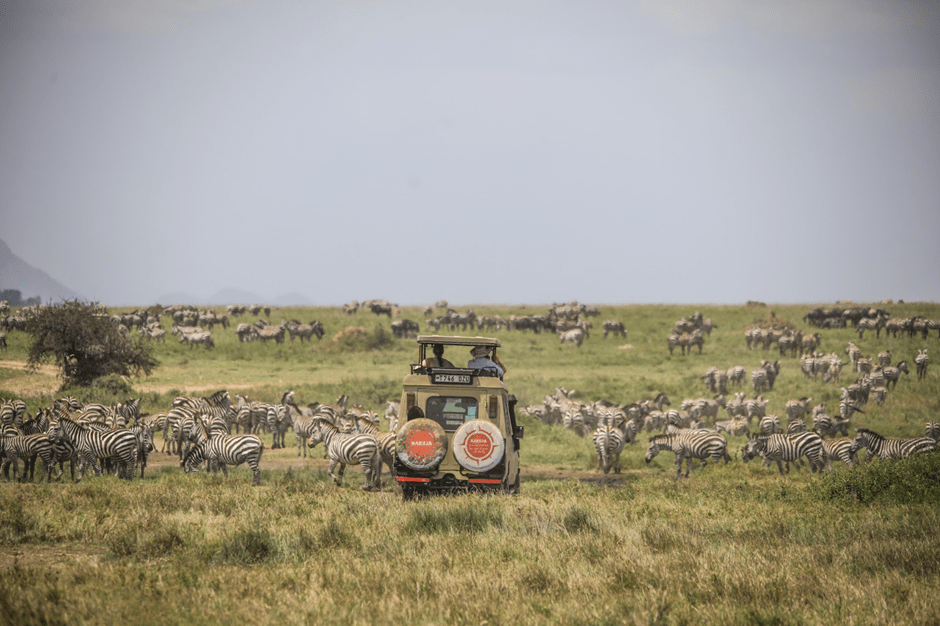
{"x": 118, "y": 439}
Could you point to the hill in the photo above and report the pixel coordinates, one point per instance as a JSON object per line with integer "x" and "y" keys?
{"x": 15, "y": 273}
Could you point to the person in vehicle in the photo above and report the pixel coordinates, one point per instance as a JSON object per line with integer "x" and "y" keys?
{"x": 415, "y": 413}
{"x": 438, "y": 359}
{"x": 481, "y": 360}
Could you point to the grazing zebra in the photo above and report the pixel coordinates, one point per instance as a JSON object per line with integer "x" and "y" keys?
{"x": 91, "y": 445}
{"x": 224, "y": 450}
{"x": 787, "y": 449}
{"x": 921, "y": 361}
{"x": 28, "y": 447}
{"x": 350, "y": 448}
{"x": 689, "y": 446}
{"x": 890, "y": 448}
{"x": 840, "y": 449}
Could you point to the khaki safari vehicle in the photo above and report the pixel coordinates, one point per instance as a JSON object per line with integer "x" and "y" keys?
{"x": 467, "y": 439}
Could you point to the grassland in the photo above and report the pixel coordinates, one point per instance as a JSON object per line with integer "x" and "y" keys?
{"x": 733, "y": 544}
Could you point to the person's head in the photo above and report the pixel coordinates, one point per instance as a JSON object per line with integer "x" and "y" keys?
{"x": 438, "y": 350}
{"x": 480, "y": 352}
{"x": 415, "y": 412}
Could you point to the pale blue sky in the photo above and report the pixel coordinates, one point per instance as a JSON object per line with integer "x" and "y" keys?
{"x": 606, "y": 151}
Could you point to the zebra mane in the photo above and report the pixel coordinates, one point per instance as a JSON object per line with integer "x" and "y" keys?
{"x": 866, "y": 431}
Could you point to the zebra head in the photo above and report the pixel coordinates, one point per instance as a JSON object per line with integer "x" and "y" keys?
{"x": 656, "y": 445}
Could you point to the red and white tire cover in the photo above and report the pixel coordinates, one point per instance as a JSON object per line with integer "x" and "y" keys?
{"x": 478, "y": 446}
{"x": 421, "y": 444}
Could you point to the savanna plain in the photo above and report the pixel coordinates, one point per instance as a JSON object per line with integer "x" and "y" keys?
{"x": 733, "y": 543}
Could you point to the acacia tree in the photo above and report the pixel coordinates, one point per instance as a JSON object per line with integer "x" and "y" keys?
{"x": 85, "y": 343}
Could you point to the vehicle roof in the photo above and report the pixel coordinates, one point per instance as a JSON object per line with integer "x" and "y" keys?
{"x": 449, "y": 340}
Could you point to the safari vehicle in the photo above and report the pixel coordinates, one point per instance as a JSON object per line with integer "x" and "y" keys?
{"x": 468, "y": 439}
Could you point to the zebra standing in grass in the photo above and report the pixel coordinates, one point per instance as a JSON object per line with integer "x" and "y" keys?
{"x": 890, "y": 448}
{"x": 386, "y": 441}
{"x": 609, "y": 442}
{"x": 921, "y": 361}
{"x": 303, "y": 426}
{"x": 689, "y": 446}
{"x": 350, "y": 448}
{"x": 840, "y": 449}
{"x": 224, "y": 450}
{"x": 893, "y": 374}
{"x": 28, "y": 447}
{"x": 144, "y": 436}
{"x": 91, "y": 445}
{"x": 787, "y": 449}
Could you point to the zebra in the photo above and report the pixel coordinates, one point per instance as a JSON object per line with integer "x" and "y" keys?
{"x": 224, "y": 450}
{"x": 204, "y": 338}
{"x": 303, "y": 426}
{"x": 689, "y": 446}
{"x": 868, "y": 323}
{"x": 769, "y": 425}
{"x": 884, "y": 358}
{"x": 890, "y": 448}
{"x": 144, "y": 436}
{"x": 797, "y": 409}
{"x": 893, "y": 374}
{"x": 349, "y": 448}
{"x": 787, "y": 449}
{"x": 933, "y": 430}
{"x": 921, "y": 361}
{"x": 279, "y": 420}
{"x": 91, "y": 445}
{"x": 613, "y": 326}
{"x": 575, "y": 336}
{"x": 840, "y": 449}
{"x": 607, "y": 448}
{"x": 28, "y": 447}
{"x": 386, "y": 441}
{"x": 736, "y": 426}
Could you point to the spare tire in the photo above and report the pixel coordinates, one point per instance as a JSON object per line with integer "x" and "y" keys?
{"x": 479, "y": 446}
{"x": 421, "y": 444}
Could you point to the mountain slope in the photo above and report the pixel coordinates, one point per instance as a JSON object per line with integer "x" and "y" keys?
{"x": 15, "y": 273}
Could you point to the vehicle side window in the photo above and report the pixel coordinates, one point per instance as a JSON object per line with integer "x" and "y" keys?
{"x": 451, "y": 412}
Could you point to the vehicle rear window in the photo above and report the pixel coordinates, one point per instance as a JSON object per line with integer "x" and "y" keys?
{"x": 451, "y": 411}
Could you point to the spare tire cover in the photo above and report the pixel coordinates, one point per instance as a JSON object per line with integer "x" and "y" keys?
{"x": 421, "y": 444}
{"x": 479, "y": 446}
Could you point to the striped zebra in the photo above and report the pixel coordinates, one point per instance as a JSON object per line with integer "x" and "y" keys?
{"x": 91, "y": 445}
{"x": 303, "y": 426}
{"x": 933, "y": 430}
{"x": 736, "y": 427}
{"x": 769, "y": 425}
{"x": 613, "y": 326}
{"x": 893, "y": 374}
{"x": 279, "y": 421}
{"x": 921, "y": 361}
{"x": 606, "y": 446}
{"x": 221, "y": 451}
{"x": 386, "y": 441}
{"x": 840, "y": 449}
{"x": 890, "y": 448}
{"x": 144, "y": 436}
{"x": 349, "y": 448}
{"x": 787, "y": 449}
{"x": 689, "y": 446}
{"x": 28, "y": 448}
{"x": 797, "y": 409}
{"x": 869, "y": 323}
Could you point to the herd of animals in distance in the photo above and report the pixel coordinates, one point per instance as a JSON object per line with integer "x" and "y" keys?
{"x": 219, "y": 432}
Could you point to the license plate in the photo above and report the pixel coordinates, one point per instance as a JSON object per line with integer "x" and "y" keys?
{"x": 452, "y": 379}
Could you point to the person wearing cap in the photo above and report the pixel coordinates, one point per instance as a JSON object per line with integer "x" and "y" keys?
{"x": 481, "y": 360}
{"x": 438, "y": 359}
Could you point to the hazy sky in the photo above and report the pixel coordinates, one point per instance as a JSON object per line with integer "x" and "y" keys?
{"x": 482, "y": 152}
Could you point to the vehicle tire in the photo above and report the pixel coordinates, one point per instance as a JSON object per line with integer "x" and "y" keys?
{"x": 479, "y": 446}
{"x": 421, "y": 444}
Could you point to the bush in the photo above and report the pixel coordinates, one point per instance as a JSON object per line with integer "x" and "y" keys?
{"x": 85, "y": 343}
{"x": 914, "y": 480}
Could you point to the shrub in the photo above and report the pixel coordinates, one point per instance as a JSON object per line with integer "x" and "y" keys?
{"x": 85, "y": 343}
{"x": 914, "y": 480}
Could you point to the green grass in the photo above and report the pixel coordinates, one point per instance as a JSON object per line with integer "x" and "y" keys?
{"x": 733, "y": 544}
